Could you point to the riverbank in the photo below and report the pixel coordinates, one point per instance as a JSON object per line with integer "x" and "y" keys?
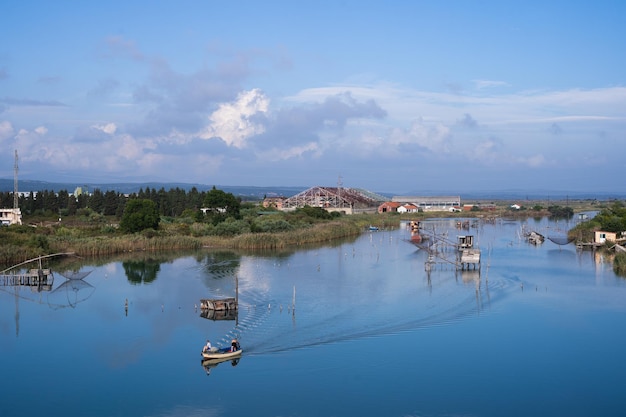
{"x": 95, "y": 236}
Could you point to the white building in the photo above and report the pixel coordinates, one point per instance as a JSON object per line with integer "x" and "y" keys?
{"x": 438, "y": 203}
{"x": 10, "y": 216}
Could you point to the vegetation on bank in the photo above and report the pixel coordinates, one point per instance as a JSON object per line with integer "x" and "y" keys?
{"x": 611, "y": 218}
{"x": 104, "y": 224}
{"x": 241, "y": 226}
{"x": 619, "y": 264}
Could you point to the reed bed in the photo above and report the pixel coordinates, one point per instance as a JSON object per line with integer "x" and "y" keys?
{"x": 32, "y": 243}
{"x": 619, "y": 264}
{"x": 103, "y": 246}
{"x": 11, "y": 254}
{"x": 319, "y": 233}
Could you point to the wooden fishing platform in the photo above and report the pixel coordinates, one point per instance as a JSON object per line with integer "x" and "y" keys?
{"x": 33, "y": 278}
{"x": 223, "y": 304}
{"x": 470, "y": 258}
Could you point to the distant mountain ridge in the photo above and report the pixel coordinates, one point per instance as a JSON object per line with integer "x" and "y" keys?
{"x": 258, "y": 193}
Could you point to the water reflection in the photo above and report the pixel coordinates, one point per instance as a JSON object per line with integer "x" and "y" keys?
{"x": 221, "y": 264}
{"x": 41, "y": 283}
{"x": 214, "y": 315}
{"x": 70, "y": 293}
{"x": 141, "y": 271}
{"x": 209, "y": 364}
{"x": 527, "y": 311}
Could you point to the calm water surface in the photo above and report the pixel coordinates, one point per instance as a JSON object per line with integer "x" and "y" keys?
{"x": 536, "y": 331}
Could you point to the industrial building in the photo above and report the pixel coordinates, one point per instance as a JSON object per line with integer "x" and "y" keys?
{"x": 340, "y": 199}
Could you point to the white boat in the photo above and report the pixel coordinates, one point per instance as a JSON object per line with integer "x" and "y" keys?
{"x": 222, "y": 353}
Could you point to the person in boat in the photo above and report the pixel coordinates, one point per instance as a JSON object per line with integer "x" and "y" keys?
{"x": 234, "y": 345}
{"x": 207, "y": 347}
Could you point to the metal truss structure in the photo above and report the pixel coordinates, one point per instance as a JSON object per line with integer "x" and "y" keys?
{"x": 333, "y": 198}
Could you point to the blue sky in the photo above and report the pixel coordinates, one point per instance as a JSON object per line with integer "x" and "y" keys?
{"x": 398, "y": 97}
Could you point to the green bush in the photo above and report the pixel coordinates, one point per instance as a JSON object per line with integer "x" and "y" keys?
{"x": 231, "y": 227}
{"x": 271, "y": 224}
{"x": 40, "y": 241}
{"x": 140, "y": 214}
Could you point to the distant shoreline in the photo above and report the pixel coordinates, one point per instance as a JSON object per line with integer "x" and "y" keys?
{"x": 259, "y": 192}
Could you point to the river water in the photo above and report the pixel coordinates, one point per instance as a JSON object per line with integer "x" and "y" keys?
{"x": 358, "y": 328}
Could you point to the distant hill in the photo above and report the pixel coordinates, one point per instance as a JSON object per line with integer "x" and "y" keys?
{"x": 257, "y": 193}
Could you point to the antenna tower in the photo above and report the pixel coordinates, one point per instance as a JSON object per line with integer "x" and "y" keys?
{"x": 15, "y": 197}
{"x": 339, "y": 185}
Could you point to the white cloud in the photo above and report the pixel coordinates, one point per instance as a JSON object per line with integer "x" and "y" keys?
{"x": 431, "y": 136}
{"x": 486, "y": 151}
{"x": 109, "y": 128}
{"x": 234, "y": 122}
{"x": 41, "y": 130}
{"x": 6, "y": 130}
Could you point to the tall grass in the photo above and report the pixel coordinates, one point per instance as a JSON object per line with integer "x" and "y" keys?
{"x": 323, "y": 232}
{"x": 25, "y": 243}
{"x": 101, "y": 246}
{"x": 619, "y": 264}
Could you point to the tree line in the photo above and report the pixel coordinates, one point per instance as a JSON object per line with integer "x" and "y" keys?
{"x": 173, "y": 203}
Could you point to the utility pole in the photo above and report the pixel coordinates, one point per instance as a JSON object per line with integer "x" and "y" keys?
{"x": 15, "y": 198}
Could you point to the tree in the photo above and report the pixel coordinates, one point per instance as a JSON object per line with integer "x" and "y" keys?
{"x": 96, "y": 201}
{"x": 110, "y": 203}
{"x": 140, "y": 214}
{"x": 221, "y": 205}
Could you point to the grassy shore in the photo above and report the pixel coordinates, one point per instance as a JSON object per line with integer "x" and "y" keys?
{"x": 85, "y": 239}
{"x": 96, "y": 236}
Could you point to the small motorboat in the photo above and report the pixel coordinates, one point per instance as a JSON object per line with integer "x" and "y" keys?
{"x": 222, "y": 353}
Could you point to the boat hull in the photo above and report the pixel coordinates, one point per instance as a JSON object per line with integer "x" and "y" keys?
{"x": 222, "y": 354}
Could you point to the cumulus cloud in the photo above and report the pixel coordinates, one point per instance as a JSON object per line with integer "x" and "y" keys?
{"x": 180, "y": 102}
{"x": 108, "y": 128}
{"x": 237, "y": 121}
{"x": 433, "y": 137}
{"x": 41, "y": 130}
{"x": 203, "y": 123}
{"x": 331, "y": 124}
{"x": 487, "y": 151}
{"x": 308, "y": 128}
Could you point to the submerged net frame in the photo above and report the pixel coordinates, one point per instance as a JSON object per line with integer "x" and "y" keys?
{"x": 561, "y": 240}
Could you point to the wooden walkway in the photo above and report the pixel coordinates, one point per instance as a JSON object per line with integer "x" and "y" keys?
{"x": 33, "y": 278}
{"x": 592, "y": 245}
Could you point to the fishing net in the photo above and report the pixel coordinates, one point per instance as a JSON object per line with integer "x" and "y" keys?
{"x": 561, "y": 240}
{"x": 75, "y": 275}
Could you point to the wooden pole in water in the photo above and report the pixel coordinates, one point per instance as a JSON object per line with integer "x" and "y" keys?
{"x": 293, "y": 302}
{"x": 236, "y": 300}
